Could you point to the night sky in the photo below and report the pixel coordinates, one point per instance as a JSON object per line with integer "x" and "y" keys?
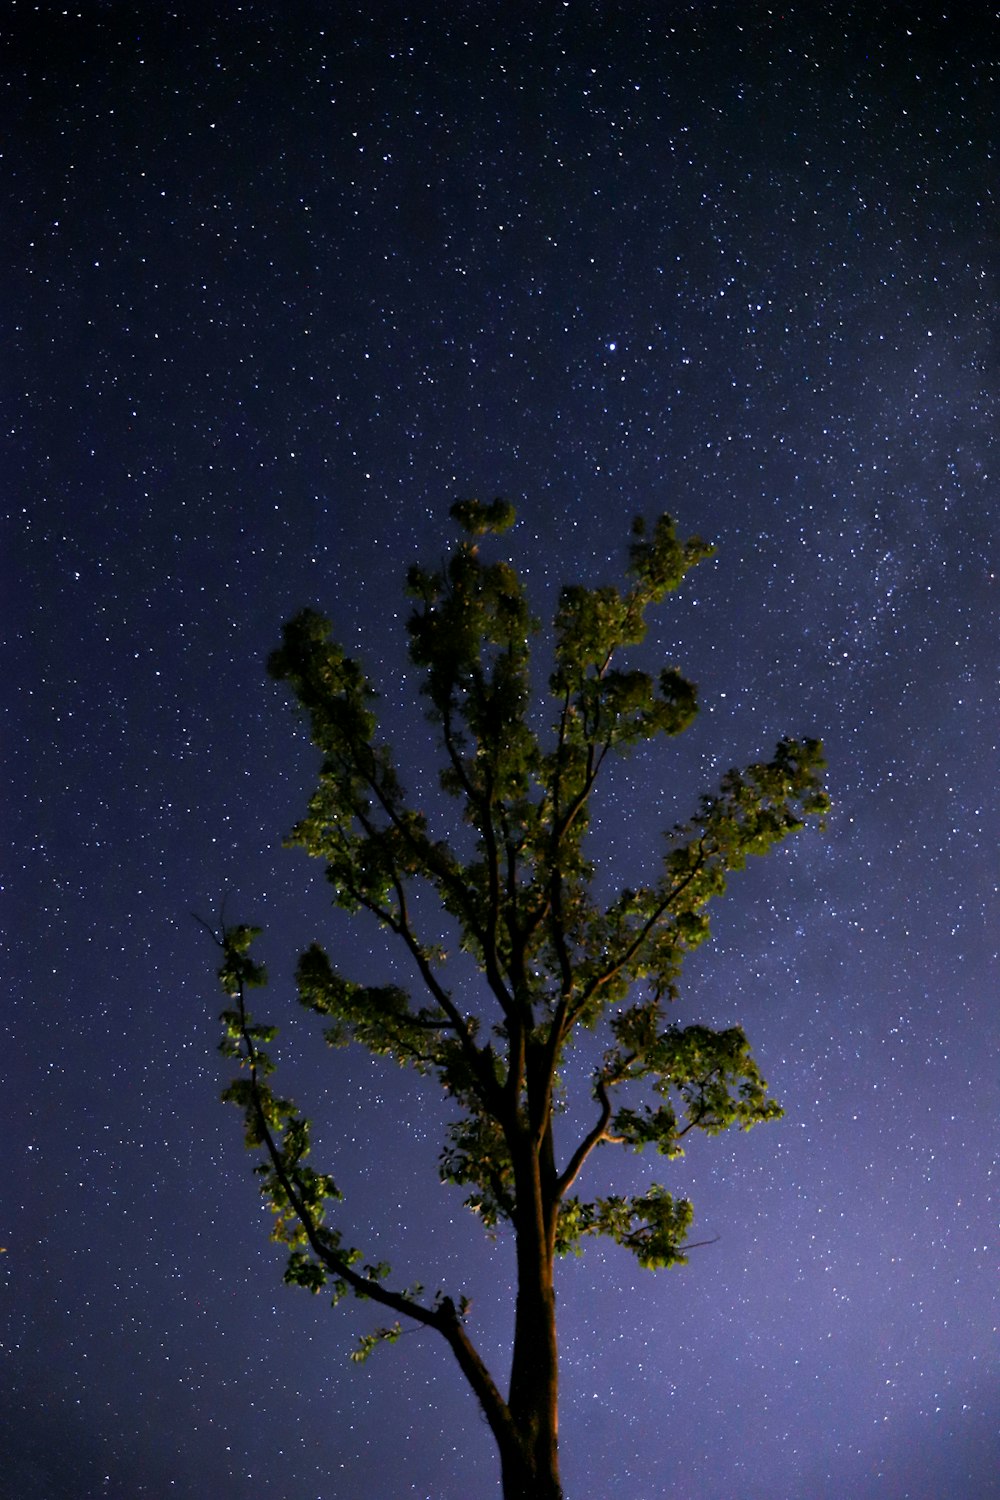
{"x": 281, "y": 282}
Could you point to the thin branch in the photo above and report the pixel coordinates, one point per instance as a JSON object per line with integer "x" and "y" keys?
{"x": 699, "y": 1244}
{"x": 481, "y": 803}
{"x": 602, "y": 979}
{"x": 423, "y": 848}
{"x": 598, "y": 1133}
{"x": 475, "y": 1056}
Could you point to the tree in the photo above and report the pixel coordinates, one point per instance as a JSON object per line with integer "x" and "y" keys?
{"x": 516, "y": 882}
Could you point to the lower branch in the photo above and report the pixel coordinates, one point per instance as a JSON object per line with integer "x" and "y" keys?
{"x": 444, "y": 1317}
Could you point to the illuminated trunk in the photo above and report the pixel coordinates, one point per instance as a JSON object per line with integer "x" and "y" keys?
{"x": 532, "y": 1473}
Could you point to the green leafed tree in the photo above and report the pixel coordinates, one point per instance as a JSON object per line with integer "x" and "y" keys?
{"x": 556, "y": 966}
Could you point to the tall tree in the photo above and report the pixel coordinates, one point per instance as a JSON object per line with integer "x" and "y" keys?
{"x": 553, "y": 961}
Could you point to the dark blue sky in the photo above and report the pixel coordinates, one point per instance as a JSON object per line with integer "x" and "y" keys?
{"x": 282, "y": 282}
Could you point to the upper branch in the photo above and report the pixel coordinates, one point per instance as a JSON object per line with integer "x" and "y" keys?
{"x": 659, "y": 911}
{"x": 480, "y": 801}
{"x": 593, "y": 1138}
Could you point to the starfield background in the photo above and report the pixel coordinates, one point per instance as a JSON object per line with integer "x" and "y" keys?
{"x": 283, "y": 281}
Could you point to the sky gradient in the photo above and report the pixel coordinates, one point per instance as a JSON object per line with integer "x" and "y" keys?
{"x": 283, "y": 282}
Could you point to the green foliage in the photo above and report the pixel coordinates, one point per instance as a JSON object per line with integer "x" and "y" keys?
{"x": 477, "y": 519}
{"x": 518, "y": 886}
{"x": 652, "y": 1226}
{"x": 369, "y": 1342}
{"x": 711, "y": 1075}
{"x": 295, "y": 1192}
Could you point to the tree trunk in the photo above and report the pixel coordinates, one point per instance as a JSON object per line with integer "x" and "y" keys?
{"x": 533, "y": 1402}
{"x": 519, "y": 1483}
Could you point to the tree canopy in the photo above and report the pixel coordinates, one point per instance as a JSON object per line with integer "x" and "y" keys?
{"x": 515, "y": 876}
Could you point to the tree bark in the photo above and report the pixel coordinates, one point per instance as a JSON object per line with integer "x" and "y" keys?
{"x": 533, "y": 1402}
{"x": 520, "y": 1483}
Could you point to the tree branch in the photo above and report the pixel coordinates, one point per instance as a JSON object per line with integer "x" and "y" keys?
{"x": 338, "y": 1263}
{"x": 423, "y": 849}
{"x": 602, "y": 979}
{"x": 593, "y": 1138}
{"x": 475, "y": 1056}
{"x": 444, "y": 1317}
{"x": 482, "y": 802}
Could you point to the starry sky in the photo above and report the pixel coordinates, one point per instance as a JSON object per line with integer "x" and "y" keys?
{"x": 281, "y": 282}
